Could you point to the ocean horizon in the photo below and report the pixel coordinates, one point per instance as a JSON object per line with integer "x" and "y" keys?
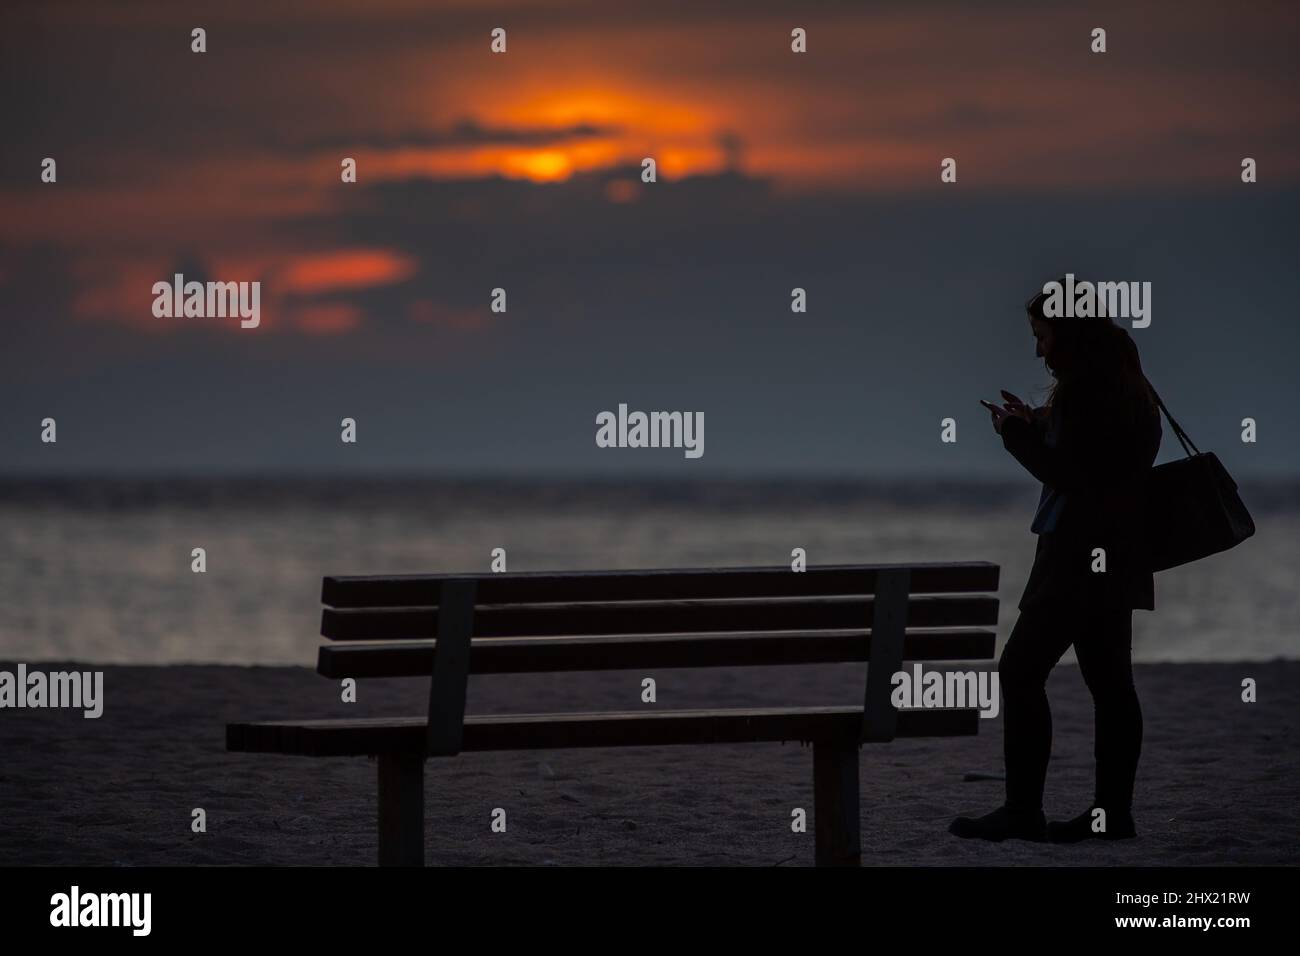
{"x": 99, "y": 570}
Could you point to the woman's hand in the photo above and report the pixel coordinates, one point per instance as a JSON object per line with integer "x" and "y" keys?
{"x": 1000, "y": 415}
{"x": 1019, "y": 409}
{"x": 1012, "y": 407}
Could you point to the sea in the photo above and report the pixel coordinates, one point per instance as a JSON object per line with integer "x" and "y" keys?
{"x": 102, "y": 570}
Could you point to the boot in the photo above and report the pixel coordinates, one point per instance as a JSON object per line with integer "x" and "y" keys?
{"x": 1119, "y": 826}
{"x": 1002, "y": 824}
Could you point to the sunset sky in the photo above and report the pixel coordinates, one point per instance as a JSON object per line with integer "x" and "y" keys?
{"x": 522, "y": 170}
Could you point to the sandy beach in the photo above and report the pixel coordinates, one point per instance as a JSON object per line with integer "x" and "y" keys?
{"x": 1219, "y": 781}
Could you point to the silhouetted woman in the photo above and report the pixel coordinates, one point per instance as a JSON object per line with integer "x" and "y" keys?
{"x": 1092, "y": 446}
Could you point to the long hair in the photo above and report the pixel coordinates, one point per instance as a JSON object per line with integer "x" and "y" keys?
{"x": 1095, "y": 350}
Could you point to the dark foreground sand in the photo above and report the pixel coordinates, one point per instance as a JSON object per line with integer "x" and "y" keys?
{"x": 1219, "y": 781}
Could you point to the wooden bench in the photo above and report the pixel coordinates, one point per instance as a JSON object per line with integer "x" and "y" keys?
{"x": 446, "y": 627}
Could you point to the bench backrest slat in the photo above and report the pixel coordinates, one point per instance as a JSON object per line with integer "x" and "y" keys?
{"x": 656, "y": 585}
{"x": 660, "y": 617}
{"x": 601, "y": 653}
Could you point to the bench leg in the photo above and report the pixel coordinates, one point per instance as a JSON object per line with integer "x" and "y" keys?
{"x": 401, "y": 810}
{"x": 835, "y": 802}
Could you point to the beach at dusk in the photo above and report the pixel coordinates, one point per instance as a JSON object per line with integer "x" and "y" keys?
{"x": 558, "y": 435}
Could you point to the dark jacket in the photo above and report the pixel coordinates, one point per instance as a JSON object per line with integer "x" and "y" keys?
{"x": 1093, "y": 455}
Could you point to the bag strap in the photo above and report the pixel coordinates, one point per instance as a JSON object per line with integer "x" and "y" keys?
{"x": 1182, "y": 436}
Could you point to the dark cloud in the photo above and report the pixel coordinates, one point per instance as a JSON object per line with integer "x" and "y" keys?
{"x": 466, "y": 132}
{"x": 676, "y": 299}
{"x": 679, "y": 300}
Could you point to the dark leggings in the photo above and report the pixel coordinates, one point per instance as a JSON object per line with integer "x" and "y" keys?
{"x": 1103, "y": 643}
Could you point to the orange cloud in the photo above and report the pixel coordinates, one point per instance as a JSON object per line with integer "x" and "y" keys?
{"x": 344, "y": 269}
{"x": 538, "y": 164}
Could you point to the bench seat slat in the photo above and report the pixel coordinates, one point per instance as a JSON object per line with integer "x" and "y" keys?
{"x": 325, "y": 738}
{"x": 562, "y": 654}
{"x": 660, "y": 617}
{"x": 352, "y": 591}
